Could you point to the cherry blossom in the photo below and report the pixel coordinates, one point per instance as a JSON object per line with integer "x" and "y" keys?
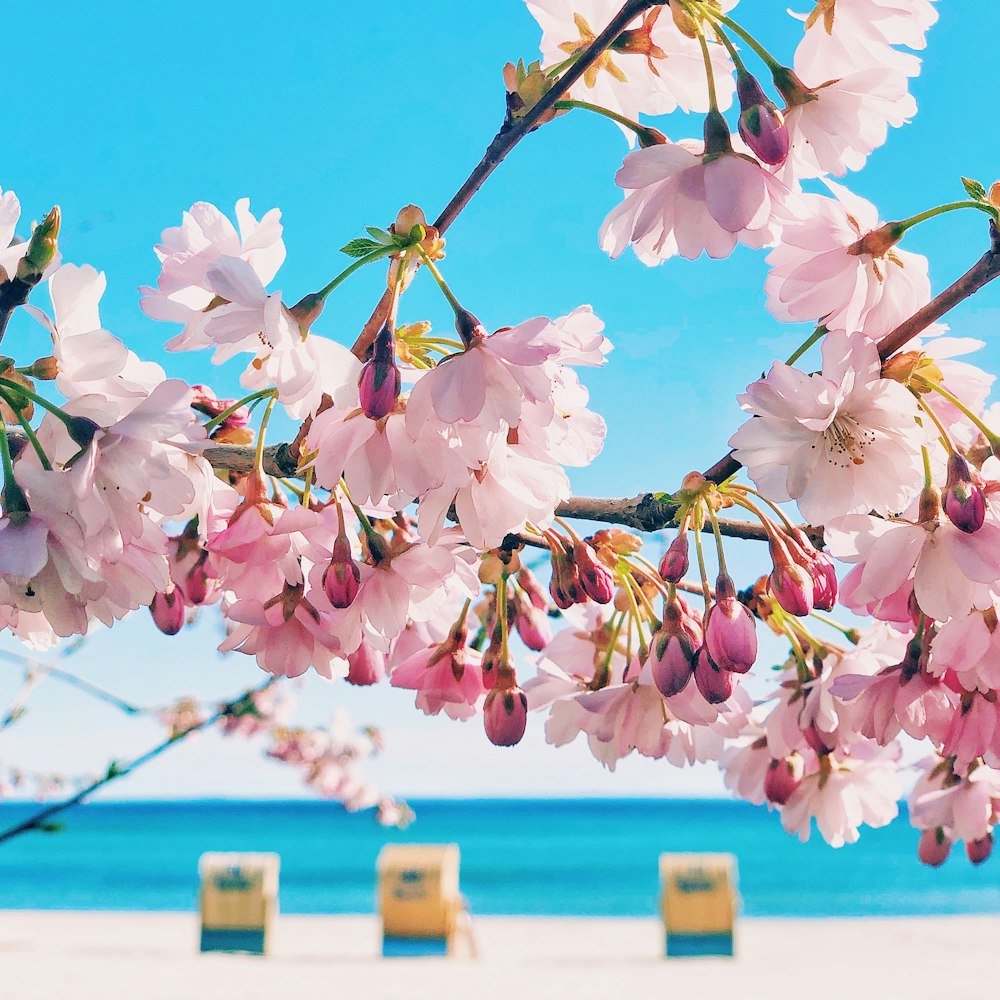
{"x": 842, "y": 440}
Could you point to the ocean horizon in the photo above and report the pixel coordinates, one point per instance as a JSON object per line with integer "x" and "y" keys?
{"x": 525, "y": 856}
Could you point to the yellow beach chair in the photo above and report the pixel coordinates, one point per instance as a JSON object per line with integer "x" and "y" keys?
{"x": 699, "y": 900}
{"x": 239, "y": 900}
{"x": 422, "y": 911}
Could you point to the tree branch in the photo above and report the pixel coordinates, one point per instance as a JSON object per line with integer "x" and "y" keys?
{"x": 40, "y": 819}
{"x": 979, "y": 275}
{"x": 510, "y": 134}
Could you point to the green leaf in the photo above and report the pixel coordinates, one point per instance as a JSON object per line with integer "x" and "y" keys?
{"x": 361, "y": 247}
{"x": 379, "y": 234}
{"x": 51, "y": 826}
{"x": 974, "y": 189}
{"x": 113, "y": 771}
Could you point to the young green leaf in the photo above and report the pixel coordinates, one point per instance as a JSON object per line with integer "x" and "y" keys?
{"x": 361, "y": 247}
{"x": 974, "y": 189}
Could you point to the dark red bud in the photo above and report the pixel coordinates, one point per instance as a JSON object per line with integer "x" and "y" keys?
{"x": 964, "y": 502}
{"x": 675, "y": 562}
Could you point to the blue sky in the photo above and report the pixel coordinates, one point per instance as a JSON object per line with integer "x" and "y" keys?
{"x": 340, "y": 116}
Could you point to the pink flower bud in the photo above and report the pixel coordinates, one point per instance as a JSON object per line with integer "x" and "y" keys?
{"x": 792, "y": 588}
{"x": 675, "y": 563}
{"x": 715, "y": 684}
{"x": 342, "y": 576}
{"x": 379, "y": 384}
{"x": 365, "y": 666}
{"x": 532, "y": 624}
{"x": 167, "y": 610}
{"x": 782, "y": 778}
{"x": 789, "y": 583}
{"x": 197, "y": 585}
{"x": 979, "y": 850}
{"x": 730, "y": 631}
{"x": 596, "y": 580}
{"x": 468, "y": 327}
{"x": 530, "y": 585}
{"x": 674, "y": 649}
{"x": 817, "y": 564}
{"x": 564, "y": 585}
{"x": 505, "y": 716}
{"x": 761, "y": 124}
{"x": 964, "y": 502}
{"x": 933, "y": 847}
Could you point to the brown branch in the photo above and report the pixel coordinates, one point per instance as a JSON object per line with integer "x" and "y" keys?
{"x": 979, "y": 275}
{"x": 41, "y": 820}
{"x": 510, "y": 134}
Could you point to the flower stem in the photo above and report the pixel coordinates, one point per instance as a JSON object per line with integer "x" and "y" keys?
{"x": 441, "y": 283}
{"x": 945, "y": 436}
{"x": 765, "y": 56}
{"x": 713, "y": 100}
{"x": 230, "y": 410}
{"x": 953, "y": 206}
{"x": 29, "y": 432}
{"x": 357, "y": 265}
{"x": 990, "y": 435}
{"x": 259, "y": 454}
{"x": 815, "y": 336}
{"x": 8, "y": 465}
{"x": 645, "y": 134}
{"x": 35, "y": 398}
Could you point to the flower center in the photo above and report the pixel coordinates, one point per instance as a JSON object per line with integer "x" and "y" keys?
{"x": 846, "y": 440}
{"x": 604, "y": 61}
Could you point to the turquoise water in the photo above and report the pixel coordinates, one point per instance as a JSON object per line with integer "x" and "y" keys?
{"x": 583, "y": 857}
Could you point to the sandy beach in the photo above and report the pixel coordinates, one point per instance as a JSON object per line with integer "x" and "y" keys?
{"x": 153, "y": 956}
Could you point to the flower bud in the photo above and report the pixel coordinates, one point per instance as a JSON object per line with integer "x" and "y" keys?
{"x": 964, "y": 502}
{"x": 715, "y": 684}
{"x": 44, "y": 369}
{"x": 933, "y": 847}
{"x": 675, "y": 562}
{"x": 564, "y": 586}
{"x": 532, "y": 624}
{"x": 979, "y": 850}
{"x": 596, "y": 580}
{"x": 817, "y": 564}
{"x": 365, "y": 666}
{"x": 42, "y": 248}
{"x": 505, "y": 716}
{"x": 730, "y": 630}
{"x": 783, "y": 777}
{"x": 469, "y": 328}
{"x": 792, "y": 588}
{"x": 197, "y": 585}
{"x": 342, "y": 576}
{"x": 530, "y": 585}
{"x": 167, "y": 610}
{"x": 761, "y": 124}
{"x": 675, "y": 646}
{"x": 379, "y": 384}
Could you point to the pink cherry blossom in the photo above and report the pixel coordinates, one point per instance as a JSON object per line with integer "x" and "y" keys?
{"x": 679, "y": 201}
{"x": 842, "y": 440}
{"x": 818, "y": 275}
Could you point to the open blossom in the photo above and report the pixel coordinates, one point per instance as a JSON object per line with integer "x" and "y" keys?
{"x": 842, "y": 440}
{"x": 820, "y": 272}
{"x": 846, "y": 792}
{"x": 834, "y": 126}
{"x": 679, "y": 201}
{"x": 952, "y": 571}
{"x": 189, "y": 251}
{"x": 651, "y": 69}
{"x": 850, "y": 35}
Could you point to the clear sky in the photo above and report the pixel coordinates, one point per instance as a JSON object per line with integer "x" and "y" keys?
{"x": 339, "y": 114}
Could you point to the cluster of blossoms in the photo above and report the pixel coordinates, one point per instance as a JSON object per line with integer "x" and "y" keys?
{"x": 392, "y": 538}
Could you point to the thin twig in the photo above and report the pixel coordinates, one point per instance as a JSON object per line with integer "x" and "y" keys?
{"x": 115, "y": 771}
{"x": 511, "y": 133}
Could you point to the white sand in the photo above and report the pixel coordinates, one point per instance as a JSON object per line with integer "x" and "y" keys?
{"x": 153, "y": 956}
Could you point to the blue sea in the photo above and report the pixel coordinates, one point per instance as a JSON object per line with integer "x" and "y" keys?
{"x": 556, "y": 857}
